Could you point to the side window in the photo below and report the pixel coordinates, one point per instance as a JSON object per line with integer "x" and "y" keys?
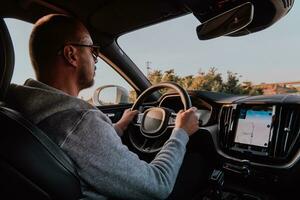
{"x": 19, "y": 33}
{"x": 109, "y": 87}
{"x": 118, "y": 91}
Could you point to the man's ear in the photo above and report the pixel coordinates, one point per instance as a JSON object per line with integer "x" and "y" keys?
{"x": 70, "y": 53}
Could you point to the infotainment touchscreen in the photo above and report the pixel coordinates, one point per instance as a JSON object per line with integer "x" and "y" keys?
{"x": 254, "y": 126}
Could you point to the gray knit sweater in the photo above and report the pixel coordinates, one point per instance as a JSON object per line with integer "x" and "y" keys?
{"x": 106, "y": 167}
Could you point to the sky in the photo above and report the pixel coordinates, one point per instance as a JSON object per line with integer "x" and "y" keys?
{"x": 271, "y": 55}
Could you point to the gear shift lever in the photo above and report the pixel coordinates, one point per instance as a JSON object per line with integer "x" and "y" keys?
{"x": 216, "y": 180}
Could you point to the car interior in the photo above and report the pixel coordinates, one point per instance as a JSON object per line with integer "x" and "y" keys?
{"x": 220, "y": 162}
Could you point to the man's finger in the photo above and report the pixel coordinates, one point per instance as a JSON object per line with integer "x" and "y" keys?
{"x": 180, "y": 111}
{"x": 135, "y": 112}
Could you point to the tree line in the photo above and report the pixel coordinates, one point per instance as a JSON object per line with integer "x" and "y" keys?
{"x": 206, "y": 81}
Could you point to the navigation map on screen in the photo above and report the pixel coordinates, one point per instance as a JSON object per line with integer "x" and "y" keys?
{"x": 254, "y": 127}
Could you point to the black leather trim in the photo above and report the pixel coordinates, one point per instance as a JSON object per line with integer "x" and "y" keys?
{"x": 43, "y": 139}
{"x": 6, "y": 59}
{"x": 16, "y": 185}
{"x": 33, "y": 154}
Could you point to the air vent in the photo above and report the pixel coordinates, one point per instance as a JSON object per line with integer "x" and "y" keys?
{"x": 225, "y": 124}
{"x": 287, "y": 133}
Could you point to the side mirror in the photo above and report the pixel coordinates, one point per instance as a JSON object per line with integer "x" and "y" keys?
{"x": 227, "y": 22}
{"x": 110, "y": 95}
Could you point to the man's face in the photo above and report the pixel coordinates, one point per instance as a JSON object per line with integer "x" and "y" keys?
{"x": 86, "y": 71}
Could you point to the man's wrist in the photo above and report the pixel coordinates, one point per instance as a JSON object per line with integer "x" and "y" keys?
{"x": 120, "y": 126}
{"x": 119, "y": 130}
{"x": 181, "y": 134}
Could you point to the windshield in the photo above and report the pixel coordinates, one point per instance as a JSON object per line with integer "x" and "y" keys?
{"x": 266, "y": 62}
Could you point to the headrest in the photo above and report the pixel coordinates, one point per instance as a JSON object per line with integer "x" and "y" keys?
{"x": 6, "y": 59}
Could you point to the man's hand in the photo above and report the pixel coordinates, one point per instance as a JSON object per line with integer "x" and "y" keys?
{"x": 125, "y": 120}
{"x": 187, "y": 120}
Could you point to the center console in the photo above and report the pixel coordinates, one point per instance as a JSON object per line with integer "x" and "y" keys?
{"x": 253, "y": 130}
{"x": 257, "y": 141}
{"x": 265, "y": 134}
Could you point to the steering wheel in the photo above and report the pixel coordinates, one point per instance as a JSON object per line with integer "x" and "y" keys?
{"x": 153, "y": 125}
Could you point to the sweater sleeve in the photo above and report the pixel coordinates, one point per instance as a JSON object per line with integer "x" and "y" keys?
{"x": 110, "y": 168}
{"x": 118, "y": 130}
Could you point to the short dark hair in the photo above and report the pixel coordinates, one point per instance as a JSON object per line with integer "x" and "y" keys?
{"x": 49, "y": 34}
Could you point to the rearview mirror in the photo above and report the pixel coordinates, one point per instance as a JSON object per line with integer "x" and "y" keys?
{"x": 226, "y": 23}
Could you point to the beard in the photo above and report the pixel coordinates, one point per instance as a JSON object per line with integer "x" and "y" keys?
{"x": 86, "y": 80}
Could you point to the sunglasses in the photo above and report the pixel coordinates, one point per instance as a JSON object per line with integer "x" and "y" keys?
{"x": 95, "y": 49}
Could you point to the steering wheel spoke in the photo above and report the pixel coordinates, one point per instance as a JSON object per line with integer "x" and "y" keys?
{"x": 154, "y": 123}
{"x": 138, "y": 120}
{"x": 145, "y": 146}
{"x": 172, "y": 119}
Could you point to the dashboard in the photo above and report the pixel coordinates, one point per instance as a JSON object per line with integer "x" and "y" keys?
{"x": 204, "y": 109}
{"x": 256, "y": 139}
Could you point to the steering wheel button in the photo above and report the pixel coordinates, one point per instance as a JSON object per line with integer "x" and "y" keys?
{"x": 139, "y": 118}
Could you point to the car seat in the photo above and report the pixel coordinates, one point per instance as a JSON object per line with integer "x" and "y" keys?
{"x": 31, "y": 165}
